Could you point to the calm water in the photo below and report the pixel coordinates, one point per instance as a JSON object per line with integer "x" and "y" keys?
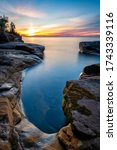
{"x": 43, "y": 84}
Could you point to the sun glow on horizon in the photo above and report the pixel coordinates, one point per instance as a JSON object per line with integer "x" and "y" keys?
{"x": 31, "y": 31}
{"x": 70, "y": 28}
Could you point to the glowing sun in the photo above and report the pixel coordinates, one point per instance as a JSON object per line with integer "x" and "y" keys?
{"x": 31, "y": 31}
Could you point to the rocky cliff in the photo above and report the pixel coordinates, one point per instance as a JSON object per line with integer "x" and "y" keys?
{"x": 81, "y": 105}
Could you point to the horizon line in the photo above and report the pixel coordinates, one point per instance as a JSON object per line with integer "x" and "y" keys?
{"x": 58, "y": 36}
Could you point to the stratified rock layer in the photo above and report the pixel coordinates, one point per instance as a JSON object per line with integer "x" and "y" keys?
{"x": 81, "y": 106}
{"x": 90, "y": 47}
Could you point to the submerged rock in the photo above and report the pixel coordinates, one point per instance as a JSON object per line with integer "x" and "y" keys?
{"x": 81, "y": 106}
{"x": 90, "y": 47}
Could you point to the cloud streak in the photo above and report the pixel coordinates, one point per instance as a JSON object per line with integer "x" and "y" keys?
{"x": 25, "y": 11}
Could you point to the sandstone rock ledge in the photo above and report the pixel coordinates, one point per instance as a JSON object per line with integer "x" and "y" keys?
{"x": 81, "y": 105}
{"x": 16, "y": 132}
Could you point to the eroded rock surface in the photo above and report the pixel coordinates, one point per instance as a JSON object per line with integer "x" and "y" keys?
{"x": 81, "y": 106}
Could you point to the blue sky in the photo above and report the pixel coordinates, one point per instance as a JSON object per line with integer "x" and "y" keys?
{"x": 53, "y": 17}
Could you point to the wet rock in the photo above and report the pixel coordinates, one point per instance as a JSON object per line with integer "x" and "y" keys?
{"x": 90, "y": 47}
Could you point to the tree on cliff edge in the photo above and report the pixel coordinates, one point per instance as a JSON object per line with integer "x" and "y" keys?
{"x": 3, "y": 24}
{"x": 7, "y": 31}
{"x": 12, "y": 27}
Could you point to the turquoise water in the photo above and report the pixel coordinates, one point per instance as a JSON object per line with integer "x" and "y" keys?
{"x": 42, "y": 88}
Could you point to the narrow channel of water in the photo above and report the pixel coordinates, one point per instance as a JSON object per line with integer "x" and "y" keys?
{"x": 42, "y": 88}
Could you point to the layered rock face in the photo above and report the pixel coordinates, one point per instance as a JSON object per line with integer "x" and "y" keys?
{"x": 90, "y": 47}
{"x": 81, "y": 105}
{"x": 16, "y": 132}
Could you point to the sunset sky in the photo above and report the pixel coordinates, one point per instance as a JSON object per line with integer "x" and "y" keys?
{"x": 53, "y": 17}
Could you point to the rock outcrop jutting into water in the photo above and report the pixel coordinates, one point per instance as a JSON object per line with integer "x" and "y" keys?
{"x": 90, "y": 47}
{"x": 81, "y": 105}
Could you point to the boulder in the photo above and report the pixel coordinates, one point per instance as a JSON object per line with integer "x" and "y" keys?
{"x": 92, "y": 70}
{"x": 90, "y": 47}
